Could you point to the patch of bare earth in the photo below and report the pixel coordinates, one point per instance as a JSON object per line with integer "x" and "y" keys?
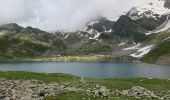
{"x": 163, "y": 60}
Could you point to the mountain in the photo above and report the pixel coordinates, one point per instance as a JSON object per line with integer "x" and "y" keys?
{"x": 92, "y": 30}
{"x": 101, "y": 24}
{"x": 131, "y": 29}
{"x": 102, "y": 36}
{"x": 153, "y": 12}
{"x": 126, "y": 27}
{"x": 154, "y": 18}
{"x": 143, "y": 32}
{"x": 20, "y": 42}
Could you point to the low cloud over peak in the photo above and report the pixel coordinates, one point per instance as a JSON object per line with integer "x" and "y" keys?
{"x": 63, "y": 15}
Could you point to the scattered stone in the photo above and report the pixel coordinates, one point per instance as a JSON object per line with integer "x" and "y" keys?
{"x": 97, "y": 86}
{"x": 104, "y": 91}
{"x": 138, "y": 91}
{"x": 31, "y": 89}
{"x": 2, "y": 97}
{"x": 166, "y": 97}
{"x": 35, "y": 95}
{"x": 82, "y": 80}
{"x": 101, "y": 91}
{"x": 37, "y": 90}
{"x": 71, "y": 89}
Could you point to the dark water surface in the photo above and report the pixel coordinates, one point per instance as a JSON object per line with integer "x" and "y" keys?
{"x": 93, "y": 69}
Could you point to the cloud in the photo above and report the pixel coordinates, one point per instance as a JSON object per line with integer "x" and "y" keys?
{"x": 65, "y": 15}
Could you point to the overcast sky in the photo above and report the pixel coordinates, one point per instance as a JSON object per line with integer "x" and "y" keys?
{"x": 67, "y": 15}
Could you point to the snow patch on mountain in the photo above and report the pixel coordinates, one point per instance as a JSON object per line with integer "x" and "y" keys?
{"x": 143, "y": 51}
{"x": 166, "y": 39}
{"x": 156, "y": 6}
{"x": 133, "y": 47}
{"x": 96, "y": 35}
{"x": 111, "y": 30}
{"x": 93, "y": 22}
{"x": 121, "y": 44}
{"x": 66, "y": 36}
{"x": 149, "y": 8}
{"x": 165, "y": 26}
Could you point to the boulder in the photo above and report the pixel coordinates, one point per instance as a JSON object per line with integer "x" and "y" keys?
{"x": 138, "y": 91}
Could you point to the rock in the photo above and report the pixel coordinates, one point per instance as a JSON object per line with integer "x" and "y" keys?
{"x": 28, "y": 89}
{"x": 71, "y": 89}
{"x": 166, "y": 97}
{"x": 88, "y": 91}
{"x": 104, "y": 91}
{"x": 138, "y": 91}
{"x": 98, "y": 86}
{"x": 133, "y": 12}
{"x": 96, "y": 93}
{"x": 35, "y": 95}
{"x": 2, "y": 97}
{"x": 82, "y": 80}
{"x": 42, "y": 93}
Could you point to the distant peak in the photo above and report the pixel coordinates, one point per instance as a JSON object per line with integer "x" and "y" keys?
{"x": 133, "y": 12}
{"x": 11, "y": 25}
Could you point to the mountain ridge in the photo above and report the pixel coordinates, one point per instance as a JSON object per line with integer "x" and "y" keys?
{"x": 133, "y": 34}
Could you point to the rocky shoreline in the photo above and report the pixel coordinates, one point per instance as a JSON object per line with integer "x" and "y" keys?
{"x": 37, "y": 90}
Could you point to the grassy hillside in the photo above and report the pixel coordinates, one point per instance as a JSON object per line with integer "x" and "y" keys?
{"x": 19, "y": 42}
{"x": 161, "y": 52}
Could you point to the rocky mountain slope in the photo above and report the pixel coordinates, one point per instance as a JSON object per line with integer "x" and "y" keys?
{"x": 157, "y": 43}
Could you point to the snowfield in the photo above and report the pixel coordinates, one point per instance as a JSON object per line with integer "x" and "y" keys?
{"x": 165, "y": 26}
{"x": 96, "y": 35}
{"x": 156, "y": 6}
{"x": 135, "y": 47}
{"x": 141, "y": 52}
{"x": 166, "y": 39}
{"x": 66, "y": 36}
{"x": 121, "y": 44}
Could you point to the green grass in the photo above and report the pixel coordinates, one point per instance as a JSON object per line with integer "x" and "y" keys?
{"x": 116, "y": 83}
{"x": 155, "y": 85}
{"x": 91, "y": 58}
{"x": 112, "y": 83}
{"x": 47, "y": 78}
{"x": 161, "y": 53}
{"x": 161, "y": 37}
{"x": 26, "y": 37}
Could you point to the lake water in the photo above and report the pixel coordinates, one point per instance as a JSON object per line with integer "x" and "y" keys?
{"x": 93, "y": 69}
